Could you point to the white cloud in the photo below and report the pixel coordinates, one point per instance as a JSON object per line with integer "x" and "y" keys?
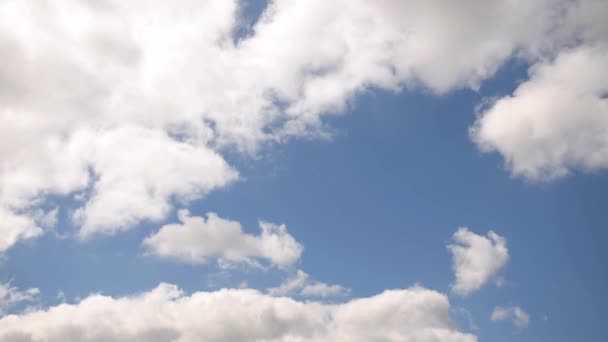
{"x": 129, "y": 104}
{"x": 15, "y": 227}
{"x": 554, "y": 123}
{"x": 300, "y": 283}
{"x": 11, "y": 296}
{"x": 514, "y": 313}
{"x": 476, "y": 259}
{"x": 167, "y": 314}
{"x": 196, "y": 240}
{"x": 80, "y": 111}
{"x": 140, "y": 171}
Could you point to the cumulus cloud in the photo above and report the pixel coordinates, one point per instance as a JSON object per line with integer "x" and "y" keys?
{"x": 11, "y": 296}
{"x": 554, "y": 123}
{"x": 167, "y": 314}
{"x": 80, "y": 111}
{"x": 476, "y": 259}
{"x": 515, "y": 314}
{"x": 139, "y": 172}
{"x": 300, "y": 284}
{"x": 197, "y": 239}
{"x": 130, "y": 104}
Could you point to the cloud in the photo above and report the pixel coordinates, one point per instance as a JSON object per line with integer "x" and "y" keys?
{"x": 514, "y": 313}
{"x": 130, "y": 105}
{"x": 586, "y": 22}
{"x": 196, "y": 240}
{"x": 139, "y": 172}
{"x": 80, "y": 112}
{"x": 11, "y": 296}
{"x": 300, "y": 284}
{"x": 476, "y": 259}
{"x": 15, "y": 227}
{"x": 554, "y": 123}
{"x": 167, "y": 314}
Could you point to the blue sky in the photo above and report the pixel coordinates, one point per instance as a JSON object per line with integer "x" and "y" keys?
{"x": 373, "y": 189}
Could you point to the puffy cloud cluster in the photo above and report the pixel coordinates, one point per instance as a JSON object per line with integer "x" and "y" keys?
{"x": 78, "y": 115}
{"x": 476, "y": 259}
{"x": 126, "y": 107}
{"x": 196, "y": 240}
{"x": 515, "y": 314}
{"x": 129, "y": 105}
{"x": 167, "y": 314}
{"x": 556, "y": 122}
{"x": 300, "y": 284}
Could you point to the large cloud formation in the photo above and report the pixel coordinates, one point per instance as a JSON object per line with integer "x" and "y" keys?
{"x": 167, "y": 314}
{"x": 128, "y": 106}
{"x": 125, "y": 108}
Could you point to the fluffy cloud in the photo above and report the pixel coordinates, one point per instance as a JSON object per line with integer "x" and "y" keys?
{"x": 135, "y": 172}
{"x": 167, "y": 314}
{"x": 11, "y": 296}
{"x": 196, "y": 240}
{"x": 476, "y": 259}
{"x": 301, "y": 284}
{"x": 130, "y": 104}
{"x": 555, "y": 122}
{"x": 519, "y": 318}
{"x": 139, "y": 172}
{"x": 15, "y": 227}
{"x": 81, "y": 111}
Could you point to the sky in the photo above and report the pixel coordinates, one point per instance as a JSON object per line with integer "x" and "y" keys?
{"x": 422, "y": 171}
